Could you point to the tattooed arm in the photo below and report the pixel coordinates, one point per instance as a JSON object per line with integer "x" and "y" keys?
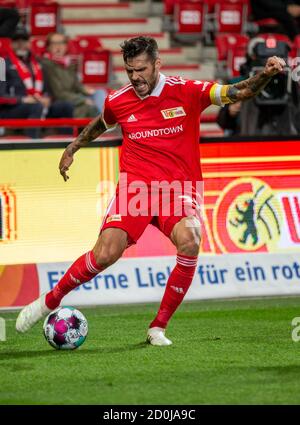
{"x": 94, "y": 129}
{"x": 252, "y": 86}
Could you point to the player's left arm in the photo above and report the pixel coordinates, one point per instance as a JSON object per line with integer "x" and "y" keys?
{"x": 251, "y": 87}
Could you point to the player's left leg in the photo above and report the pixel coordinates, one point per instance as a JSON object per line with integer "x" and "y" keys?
{"x": 186, "y": 237}
{"x": 109, "y": 247}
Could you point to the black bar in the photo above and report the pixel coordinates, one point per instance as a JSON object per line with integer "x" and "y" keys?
{"x": 196, "y": 414}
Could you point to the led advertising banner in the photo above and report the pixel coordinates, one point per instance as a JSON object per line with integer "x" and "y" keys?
{"x": 251, "y": 205}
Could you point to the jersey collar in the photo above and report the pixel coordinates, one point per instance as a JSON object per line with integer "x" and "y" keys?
{"x": 157, "y": 89}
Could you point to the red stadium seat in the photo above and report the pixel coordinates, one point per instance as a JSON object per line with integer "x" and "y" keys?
{"x": 224, "y": 42}
{"x": 95, "y": 61}
{"x": 236, "y": 57}
{"x": 189, "y": 16}
{"x": 169, "y": 7}
{"x": 231, "y": 53}
{"x": 231, "y": 15}
{"x": 297, "y": 44}
{"x": 96, "y": 67}
{"x": 38, "y": 45}
{"x": 20, "y": 4}
{"x": 44, "y": 18}
{"x": 83, "y": 43}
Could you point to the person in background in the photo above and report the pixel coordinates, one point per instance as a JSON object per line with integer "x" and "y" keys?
{"x": 23, "y": 94}
{"x": 229, "y": 119}
{"x": 9, "y": 18}
{"x": 286, "y": 12}
{"x": 63, "y": 80}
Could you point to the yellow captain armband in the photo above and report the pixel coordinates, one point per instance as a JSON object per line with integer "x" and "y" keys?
{"x": 218, "y": 94}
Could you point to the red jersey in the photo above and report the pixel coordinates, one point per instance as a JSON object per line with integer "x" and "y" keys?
{"x": 161, "y": 131}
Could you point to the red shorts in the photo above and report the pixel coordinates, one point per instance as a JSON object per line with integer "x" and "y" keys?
{"x": 135, "y": 206}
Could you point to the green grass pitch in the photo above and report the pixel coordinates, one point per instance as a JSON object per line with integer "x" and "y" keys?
{"x": 223, "y": 352}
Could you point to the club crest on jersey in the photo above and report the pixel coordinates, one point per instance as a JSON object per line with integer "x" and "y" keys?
{"x": 114, "y": 217}
{"x": 173, "y": 112}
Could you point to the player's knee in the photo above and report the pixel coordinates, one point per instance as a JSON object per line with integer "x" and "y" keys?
{"x": 106, "y": 256}
{"x": 189, "y": 242}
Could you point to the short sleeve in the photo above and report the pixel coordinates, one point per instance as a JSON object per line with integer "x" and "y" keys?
{"x": 108, "y": 115}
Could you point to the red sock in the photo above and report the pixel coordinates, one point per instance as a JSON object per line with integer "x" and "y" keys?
{"x": 81, "y": 271}
{"x": 177, "y": 286}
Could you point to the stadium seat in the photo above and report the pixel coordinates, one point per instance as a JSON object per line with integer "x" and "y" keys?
{"x": 83, "y": 43}
{"x": 95, "y": 61}
{"x": 41, "y": 16}
{"x": 96, "y": 67}
{"x": 169, "y": 7}
{"x": 294, "y": 52}
{"x": 189, "y": 17}
{"x": 231, "y": 53}
{"x": 297, "y": 44}
{"x": 231, "y": 16}
{"x": 44, "y": 17}
{"x": 38, "y": 45}
{"x": 225, "y": 41}
{"x": 236, "y": 58}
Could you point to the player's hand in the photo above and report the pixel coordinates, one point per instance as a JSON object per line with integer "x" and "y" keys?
{"x": 65, "y": 163}
{"x": 274, "y": 65}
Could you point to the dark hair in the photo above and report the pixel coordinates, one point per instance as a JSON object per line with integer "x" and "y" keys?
{"x": 139, "y": 45}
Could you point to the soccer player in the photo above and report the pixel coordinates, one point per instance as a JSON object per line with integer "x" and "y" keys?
{"x": 160, "y": 119}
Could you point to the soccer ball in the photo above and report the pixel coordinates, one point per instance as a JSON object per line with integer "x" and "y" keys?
{"x": 65, "y": 328}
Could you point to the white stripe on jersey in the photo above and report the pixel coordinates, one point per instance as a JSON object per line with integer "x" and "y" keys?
{"x": 175, "y": 80}
{"x": 121, "y": 91}
{"x": 175, "y": 77}
{"x": 173, "y": 84}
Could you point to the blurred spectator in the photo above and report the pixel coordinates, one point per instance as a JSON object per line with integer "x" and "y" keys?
{"x": 63, "y": 80}
{"x": 286, "y": 12}
{"x": 229, "y": 119}
{"x": 9, "y": 19}
{"x": 23, "y": 93}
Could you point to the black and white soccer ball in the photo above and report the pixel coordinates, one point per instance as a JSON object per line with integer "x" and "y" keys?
{"x": 65, "y": 328}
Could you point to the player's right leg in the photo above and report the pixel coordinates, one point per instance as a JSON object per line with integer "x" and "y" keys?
{"x": 108, "y": 249}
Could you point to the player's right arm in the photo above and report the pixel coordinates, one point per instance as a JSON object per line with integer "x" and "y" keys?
{"x": 93, "y": 130}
